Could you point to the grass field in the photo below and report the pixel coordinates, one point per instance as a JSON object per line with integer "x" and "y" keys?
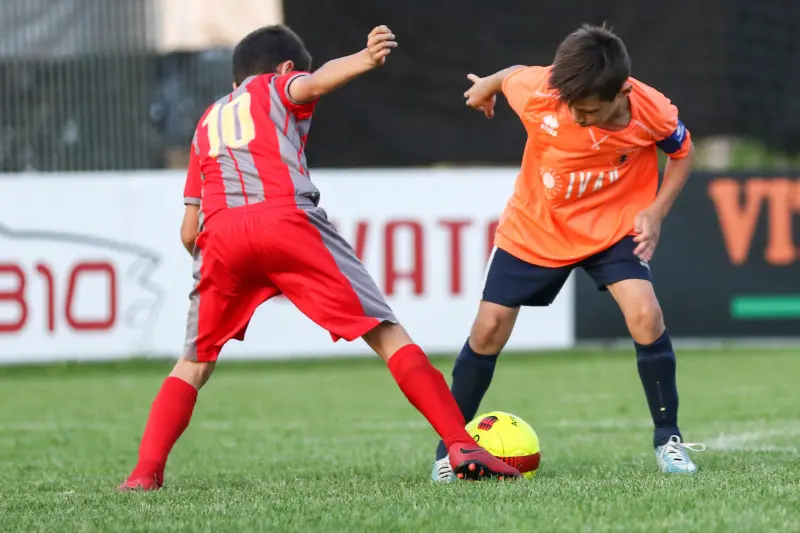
{"x": 333, "y": 446}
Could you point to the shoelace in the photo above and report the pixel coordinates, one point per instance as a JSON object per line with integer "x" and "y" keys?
{"x": 443, "y": 468}
{"x": 675, "y": 450}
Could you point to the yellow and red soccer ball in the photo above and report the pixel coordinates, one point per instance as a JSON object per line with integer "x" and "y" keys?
{"x": 509, "y": 438}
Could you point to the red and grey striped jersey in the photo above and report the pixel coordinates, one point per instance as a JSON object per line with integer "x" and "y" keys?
{"x": 249, "y": 147}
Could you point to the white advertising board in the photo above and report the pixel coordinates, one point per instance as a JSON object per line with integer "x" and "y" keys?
{"x": 91, "y": 265}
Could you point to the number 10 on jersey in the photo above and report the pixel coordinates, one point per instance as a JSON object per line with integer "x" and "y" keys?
{"x": 237, "y": 124}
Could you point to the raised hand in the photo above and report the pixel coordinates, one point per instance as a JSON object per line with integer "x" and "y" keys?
{"x": 482, "y": 95}
{"x": 380, "y": 43}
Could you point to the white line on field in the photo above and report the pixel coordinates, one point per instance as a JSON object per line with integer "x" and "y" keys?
{"x": 754, "y": 440}
{"x": 44, "y": 426}
{"x": 608, "y": 423}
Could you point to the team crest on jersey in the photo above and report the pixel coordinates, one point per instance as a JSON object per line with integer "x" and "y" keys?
{"x": 551, "y": 181}
{"x": 550, "y": 125}
{"x": 624, "y": 155}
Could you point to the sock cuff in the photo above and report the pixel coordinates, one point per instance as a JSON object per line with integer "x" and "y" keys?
{"x": 179, "y": 387}
{"x": 660, "y": 345}
{"x": 467, "y": 351}
{"x": 407, "y": 359}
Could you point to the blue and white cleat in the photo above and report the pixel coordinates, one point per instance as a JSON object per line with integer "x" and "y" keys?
{"x": 443, "y": 471}
{"x": 673, "y": 459}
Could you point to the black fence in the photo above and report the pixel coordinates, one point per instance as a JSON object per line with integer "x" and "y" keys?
{"x": 84, "y": 88}
{"x": 730, "y": 66}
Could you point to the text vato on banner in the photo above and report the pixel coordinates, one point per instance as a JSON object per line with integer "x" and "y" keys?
{"x": 94, "y": 268}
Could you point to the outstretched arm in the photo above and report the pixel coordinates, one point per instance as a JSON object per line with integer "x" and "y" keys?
{"x": 481, "y": 96}
{"x": 338, "y": 72}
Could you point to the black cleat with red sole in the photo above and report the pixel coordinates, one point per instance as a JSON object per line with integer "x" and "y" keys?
{"x": 471, "y": 462}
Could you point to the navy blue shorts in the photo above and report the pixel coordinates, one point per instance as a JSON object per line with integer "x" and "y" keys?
{"x": 513, "y": 282}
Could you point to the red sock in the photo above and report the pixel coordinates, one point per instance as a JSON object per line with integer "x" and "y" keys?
{"x": 426, "y": 389}
{"x": 169, "y": 417}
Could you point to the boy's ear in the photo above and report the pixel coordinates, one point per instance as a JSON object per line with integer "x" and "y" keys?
{"x": 285, "y": 68}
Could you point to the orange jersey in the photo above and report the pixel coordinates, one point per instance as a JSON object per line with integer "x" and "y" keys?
{"x": 580, "y": 188}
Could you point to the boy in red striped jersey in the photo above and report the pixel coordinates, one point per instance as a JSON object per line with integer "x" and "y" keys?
{"x": 254, "y": 229}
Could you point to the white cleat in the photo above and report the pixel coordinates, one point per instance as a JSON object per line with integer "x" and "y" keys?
{"x": 673, "y": 459}
{"x": 442, "y": 471}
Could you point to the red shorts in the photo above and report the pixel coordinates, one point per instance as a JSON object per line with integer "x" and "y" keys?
{"x": 247, "y": 255}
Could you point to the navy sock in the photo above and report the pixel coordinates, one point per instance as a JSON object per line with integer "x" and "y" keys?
{"x": 657, "y": 365}
{"x": 472, "y": 374}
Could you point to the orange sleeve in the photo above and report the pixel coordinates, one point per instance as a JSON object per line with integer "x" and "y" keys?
{"x": 522, "y": 85}
{"x": 193, "y": 188}
{"x": 672, "y": 137}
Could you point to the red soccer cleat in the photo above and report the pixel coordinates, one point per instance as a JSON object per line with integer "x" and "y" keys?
{"x": 471, "y": 462}
{"x": 141, "y": 483}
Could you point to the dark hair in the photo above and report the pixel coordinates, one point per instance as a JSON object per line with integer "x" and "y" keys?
{"x": 265, "y": 48}
{"x": 591, "y": 61}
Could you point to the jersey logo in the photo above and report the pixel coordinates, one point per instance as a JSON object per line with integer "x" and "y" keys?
{"x": 551, "y": 181}
{"x": 550, "y": 125}
{"x": 581, "y": 182}
{"x": 624, "y": 155}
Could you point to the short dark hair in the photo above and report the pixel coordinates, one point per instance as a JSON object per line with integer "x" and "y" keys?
{"x": 265, "y": 48}
{"x": 591, "y": 61}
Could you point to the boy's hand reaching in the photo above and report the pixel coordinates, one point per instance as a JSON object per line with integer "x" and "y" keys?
{"x": 482, "y": 95}
{"x": 379, "y": 45}
{"x": 337, "y": 72}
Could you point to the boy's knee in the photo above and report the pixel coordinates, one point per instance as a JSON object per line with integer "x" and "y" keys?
{"x": 646, "y": 322}
{"x": 192, "y": 372}
{"x": 492, "y": 328}
{"x": 387, "y": 338}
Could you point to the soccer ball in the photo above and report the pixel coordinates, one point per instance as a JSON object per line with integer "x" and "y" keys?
{"x": 509, "y": 438}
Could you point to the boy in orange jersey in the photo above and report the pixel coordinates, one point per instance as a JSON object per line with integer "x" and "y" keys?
{"x": 586, "y": 196}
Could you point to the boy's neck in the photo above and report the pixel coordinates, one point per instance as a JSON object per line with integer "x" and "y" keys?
{"x": 621, "y": 119}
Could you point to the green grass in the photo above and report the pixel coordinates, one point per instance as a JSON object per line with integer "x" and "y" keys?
{"x": 333, "y": 446}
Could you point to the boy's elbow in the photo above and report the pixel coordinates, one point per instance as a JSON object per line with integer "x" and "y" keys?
{"x": 188, "y": 238}
{"x": 190, "y": 226}
{"x": 306, "y": 89}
